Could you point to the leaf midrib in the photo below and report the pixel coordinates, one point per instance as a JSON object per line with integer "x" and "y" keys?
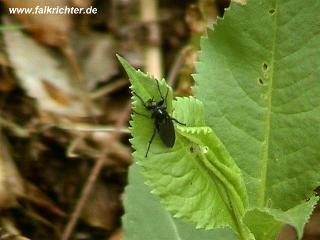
{"x": 174, "y": 227}
{"x": 265, "y": 158}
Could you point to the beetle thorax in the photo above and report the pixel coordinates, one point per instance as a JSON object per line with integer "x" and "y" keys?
{"x": 157, "y": 109}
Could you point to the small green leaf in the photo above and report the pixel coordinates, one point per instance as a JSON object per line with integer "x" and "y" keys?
{"x": 265, "y": 223}
{"x": 142, "y": 127}
{"x": 197, "y": 179}
{"x": 262, "y": 224}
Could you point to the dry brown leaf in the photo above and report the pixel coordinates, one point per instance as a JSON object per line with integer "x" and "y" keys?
{"x": 56, "y": 93}
{"x": 51, "y": 29}
{"x": 6, "y": 84}
{"x": 194, "y": 18}
{"x": 96, "y": 53}
{"x": 103, "y": 207}
{"x": 3, "y": 59}
{"x": 34, "y": 195}
{"x": 81, "y": 3}
{"x": 6, "y": 81}
{"x": 117, "y": 235}
{"x": 9, "y": 231}
{"x": 11, "y": 183}
{"x": 287, "y": 233}
{"x": 34, "y": 64}
{"x": 312, "y": 228}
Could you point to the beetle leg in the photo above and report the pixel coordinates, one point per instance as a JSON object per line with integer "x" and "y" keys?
{"x": 150, "y": 141}
{"x": 141, "y": 114}
{"x": 140, "y": 98}
{"x": 178, "y": 121}
{"x": 164, "y": 99}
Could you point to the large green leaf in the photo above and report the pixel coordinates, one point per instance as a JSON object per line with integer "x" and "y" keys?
{"x": 259, "y": 79}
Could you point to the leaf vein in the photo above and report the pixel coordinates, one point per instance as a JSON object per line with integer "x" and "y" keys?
{"x": 265, "y": 157}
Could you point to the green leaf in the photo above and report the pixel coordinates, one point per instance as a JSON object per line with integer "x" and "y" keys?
{"x": 265, "y": 223}
{"x": 262, "y": 224}
{"x": 259, "y": 80}
{"x": 196, "y": 179}
{"x": 142, "y": 127}
{"x": 145, "y": 217}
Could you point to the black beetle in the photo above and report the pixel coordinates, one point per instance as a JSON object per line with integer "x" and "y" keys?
{"x": 163, "y": 122}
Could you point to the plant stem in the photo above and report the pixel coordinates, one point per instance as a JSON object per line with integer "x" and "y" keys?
{"x": 153, "y": 57}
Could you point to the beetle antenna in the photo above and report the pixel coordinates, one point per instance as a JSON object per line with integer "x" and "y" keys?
{"x": 159, "y": 90}
{"x": 167, "y": 94}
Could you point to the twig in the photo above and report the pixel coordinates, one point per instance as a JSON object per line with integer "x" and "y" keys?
{"x": 153, "y": 58}
{"x": 174, "y": 71}
{"x": 77, "y": 79}
{"x": 71, "y": 148}
{"x": 18, "y": 130}
{"x": 76, "y": 74}
{"x": 109, "y": 88}
{"x": 94, "y": 175}
{"x": 95, "y": 129}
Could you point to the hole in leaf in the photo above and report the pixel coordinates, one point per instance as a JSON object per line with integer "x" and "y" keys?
{"x": 205, "y": 150}
{"x": 260, "y": 81}
{"x": 272, "y": 11}
{"x": 264, "y": 67}
{"x": 192, "y": 150}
